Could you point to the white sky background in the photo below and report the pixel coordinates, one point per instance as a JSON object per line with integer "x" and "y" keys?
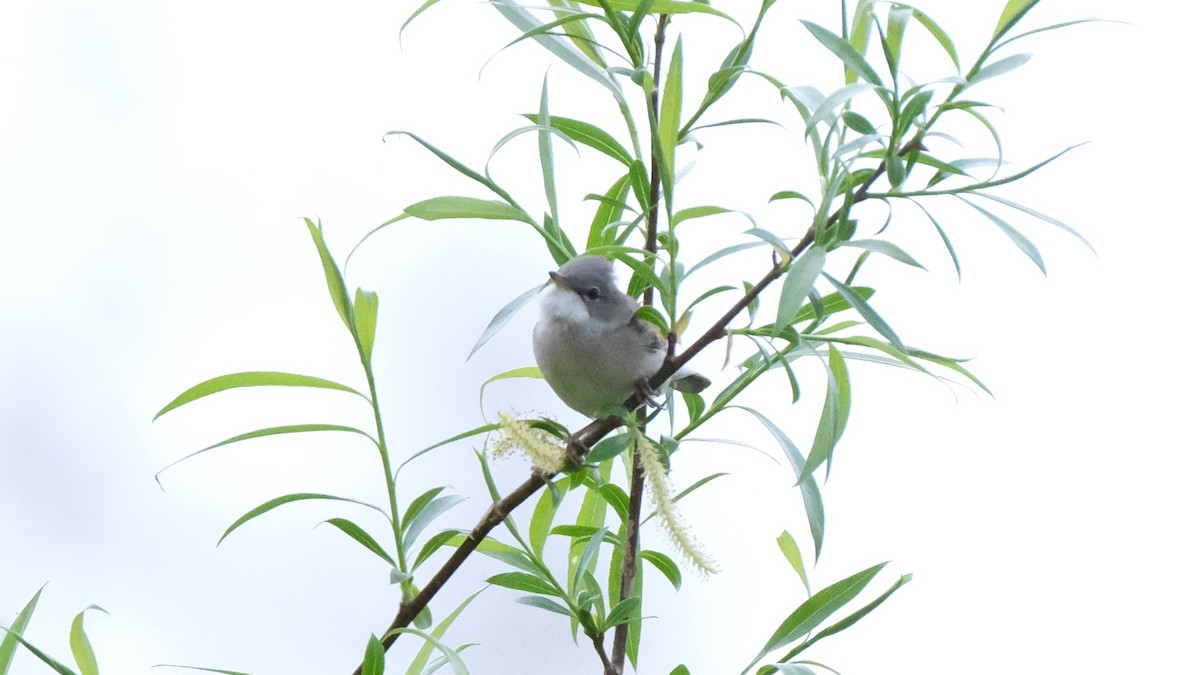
{"x": 155, "y": 160}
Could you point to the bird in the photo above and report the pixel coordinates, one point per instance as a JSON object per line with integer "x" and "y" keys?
{"x": 591, "y": 348}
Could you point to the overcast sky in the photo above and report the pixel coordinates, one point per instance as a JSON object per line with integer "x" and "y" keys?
{"x": 156, "y": 160}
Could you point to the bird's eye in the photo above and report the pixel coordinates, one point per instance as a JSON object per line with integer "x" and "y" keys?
{"x": 592, "y": 293}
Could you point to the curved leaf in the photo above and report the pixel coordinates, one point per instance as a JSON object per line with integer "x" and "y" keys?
{"x": 81, "y": 646}
{"x": 502, "y": 317}
{"x": 8, "y": 646}
{"x": 333, "y": 277}
{"x": 251, "y": 379}
{"x": 287, "y": 499}
{"x": 845, "y": 51}
{"x": 360, "y": 535}
{"x": 666, "y": 565}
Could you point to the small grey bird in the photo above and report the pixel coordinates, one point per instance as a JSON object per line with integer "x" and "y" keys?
{"x": 588, "y": 345}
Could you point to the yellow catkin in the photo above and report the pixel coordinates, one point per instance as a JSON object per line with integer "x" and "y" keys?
{"x": 546, "y": 455}
{"x": 668, "y": 512}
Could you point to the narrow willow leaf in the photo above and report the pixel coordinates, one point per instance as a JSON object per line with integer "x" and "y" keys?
{"x": 658, "y": 7}
{"x": 858, "y": 123}
{"x": 623, "y": 612}
{"x": 942, "y": 37}
{"x": 886, "y": 248}
{"x": 574, "y": 25}
{"x": 665, "y": 565}
{"x": 502, "y": 317}
{"x": 852, "y": 619}
{"x": 546, "y": 150}
{"x": 841, "y": 375}
{"x": 865, "y": 310}
{"x": 43, "y": 656}
{"x": 333, "y": 277}
{"x": 542, "y": 518}
{"x": 8, "y": 646}
{"x": 816, "y": 609}
{"x": 608, "y": 212}
{"x": 699, "y": 212}
{"x": 269, "y": 431}
{"x": 814, "y": 511}
{"x": 832, "y": 105}
{"x": 438, "y": 208}
{"x": 825, "y": 437}
{"x": 791, "y": 551}
{"x": 366, "y": 309}
{"x": 1041, "y": 216}
{"x": 590, "y": 135}
{"x": 793, "y": 454}
{"x": 588, "y": 558}
{"x": 851, "y": 57}
{"x": 897, "y": 21}
{"x": 998, "y": 68}
{"x": 1022, "y": 242}
{"x": 945, "y": 239}
{"x": 680, "y": 670}
{"x": 357, "y": 533}
{"x": 427, "y": 515}
{"x": 670, "y": 111}
{"x": 615, "y": 496}
{"x": 287, "y": 499}
{"x": 426, "y": 650}
{"x": 457, "y": 665}
{"x": 797, "y": 285}
{"x": 1011, "y": 14}
{"x": 525, "y": 371}
{"x": 639, "y": 180}
{"x": 520, "y": 581}
{"x": 251, "y": 379}
{"x": 545, "y": 603}
{"x": 433, "y": 544}
{"x": 466, "y": 434}
{"x": 203, "y": 670}
{"x": 567, "y": 52}
{"x": 424, "y": 6}
{"x": 81, "y": 646}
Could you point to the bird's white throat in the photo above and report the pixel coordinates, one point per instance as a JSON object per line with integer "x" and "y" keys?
{"x": 560, "y": 304}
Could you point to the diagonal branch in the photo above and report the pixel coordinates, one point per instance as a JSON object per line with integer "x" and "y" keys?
{"x": 591, "y": 434}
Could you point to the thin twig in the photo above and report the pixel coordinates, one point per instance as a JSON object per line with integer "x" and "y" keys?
{"x": 637, "y": 477}
{"x": 598, "y": 643}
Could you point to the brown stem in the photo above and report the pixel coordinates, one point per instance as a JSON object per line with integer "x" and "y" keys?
{"x": 598, "y": 643}
{"x": 637, "y": 478}
{"x": 591, "y": 434}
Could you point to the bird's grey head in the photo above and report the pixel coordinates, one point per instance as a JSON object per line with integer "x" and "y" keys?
{"x": 591, "y": 278}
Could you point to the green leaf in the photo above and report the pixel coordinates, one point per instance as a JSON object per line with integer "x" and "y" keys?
{"x": 366, "y": 309}
{"x": 525, "y": 371}
{"x": 608, "y": 211}
{"x": 269, "y": 431}
{"x": 997, "y": 68}
{"x": 665, "y": 565}
{"x": 942, "y": 37}
{"x": 542, "y": 518}
{"x": 658, "y": 7}
{"x": 841, "y": 48}
{"x": 360, "y": 535}
{"x": 588, "y": 558}
{"x": 466, "y": 434}
{"x": 439, "y": 208}
{"x": 817, "y": 609}
{"x": 590, "y": 135}
{"x": 669, "y": 119}
{"x": 797, "y": 285}
{"x": 251, "y": 379}
{"x": 832, "y": 105}
{"x": 502, "y": 317}
{"x": 81, "y": 646}
{"x": 205, "y": 670}
{"x": 456, "y": 663}
{"x": 8, "y": 646}
{"x": 426, "y": 649}
{"x": 545, "y": 603}
{"x": 624, "y": 612}
{"x": 565, "y": 51}
{"x": 865, "y": 310}
{"x": 333, "y": 277}
{"x": 680, "y": 670}
{"x": 1012, "y": 13}
{"x": 886, "y": 248}
{"x": 852, "y": 619}
{"x": 608, "y": 448}
{"x": 426, "y": 515}
{"x": 546, "y": 151}
{"x": 1041, "y": 216}
{"x": 433, "y": 544}
{"x": 699, "y": 212}
{"x": 791, "y": 551}
{"x": 1022, "y": 242}
{"x": 520, "y": 581}
{"x": 897, "y": 21}
{"x": 43, "y": 656}
{"x": 287, "y": 499}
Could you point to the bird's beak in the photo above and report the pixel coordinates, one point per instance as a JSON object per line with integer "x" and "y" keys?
{"x": 559, "y": 280}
